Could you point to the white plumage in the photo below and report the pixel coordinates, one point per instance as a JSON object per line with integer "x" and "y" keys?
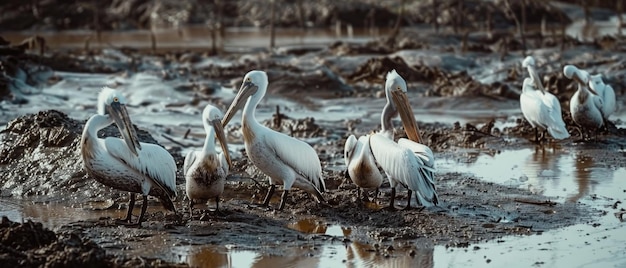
{"x": 284, "y": 159}
{"x": 360, "y": 163}
{"x": 606, "y": 93}
{"x": 206, "y": 170}
{"x": 585, "y": 104}
{"x": 408, "y": 162}
{"x": 127, "y": 164}
{"x": 540, "y": 108}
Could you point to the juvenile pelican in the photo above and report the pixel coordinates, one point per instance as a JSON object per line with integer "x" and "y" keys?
{"x": 126, "y": 164}
{"x": 585, "y": 105}
{"x": 606, "y": 93}
{"x": 407, "y": 162}
{"x": 284, "y": 159}
{"x": 206, "y": 170}
{"x": 361, "y": 165}
{"x": 540, "y": 108}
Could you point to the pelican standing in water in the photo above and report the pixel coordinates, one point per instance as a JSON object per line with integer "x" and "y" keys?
{"x": 606, "y": 93}
{"x": 360, "y": 163}
{"x": 206, "y": 170}
{"x": 126, "y": 164}
{"x": 540, "y": 108}
{"x": 407, "y": 162}
{"x": 284, "y": 159}
{"x": 585, "y": 105}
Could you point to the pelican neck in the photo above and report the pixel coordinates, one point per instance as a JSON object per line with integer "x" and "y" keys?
{"x": 248, "y": 117}
{"x": 385, "y": 118}
{"x": 209, "y": 140}
{"x": 96, "y": 123}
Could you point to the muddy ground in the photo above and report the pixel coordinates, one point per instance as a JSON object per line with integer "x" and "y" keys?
{"x": 40, "y": 158}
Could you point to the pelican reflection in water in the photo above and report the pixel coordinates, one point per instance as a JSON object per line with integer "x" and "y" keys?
{"x": 206, "y": 170}
{"x": 126, "y": 164}
{"x": 284, "y": 159}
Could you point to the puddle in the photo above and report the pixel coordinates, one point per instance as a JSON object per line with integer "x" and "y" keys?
{"x": 565, "y": 175}
{"x": 352, "y": 254}
{"x": 311, "y": 226}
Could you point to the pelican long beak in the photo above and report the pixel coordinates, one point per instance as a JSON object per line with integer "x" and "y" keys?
{"x": 401, "y": 100}
{"x": 536, "y": 79}
{"x": 125, "y": 126}
{"x": 219, "y": 132}
{"x": 246, "y": 90}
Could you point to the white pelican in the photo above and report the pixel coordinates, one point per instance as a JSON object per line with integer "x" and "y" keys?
{"x": 585, "y": 105}
{"x": 360, "y": 163}
{"x": 540, "y": 108}
{"x": 407, "y": 162}
{"x": 284, "y": 159}
{"x": 206, "y": 170}
{"x": 126, "y": 164}
{"x": 606, "y": 93}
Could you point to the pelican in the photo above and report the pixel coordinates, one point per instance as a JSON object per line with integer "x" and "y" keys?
{"x": 284, "y": 159}
{"x": 126, "y": 164}
{"x": 540, "y": 108}
{"x": 606, "y": 93}
{"x": 206, "y": 170}
{"x": 362, "y": 168}
{"x": 407, "y": 162}
{"x": 585, "y": 105}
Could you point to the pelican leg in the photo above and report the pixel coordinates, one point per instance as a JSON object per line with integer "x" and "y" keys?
{"x": 536, "y": 135}
{"x": 393, "y": 200}
{"x": 191, "y": 209}
{"x": 144, "y": 206}
{"x": 408, "y": 201}
{"x": 270, "y": 192}
{"x": 131, "y": 204}
{"x": 217, "y": 207}
{"x": 375, "y": 195}
{"x": 283, "y": 198}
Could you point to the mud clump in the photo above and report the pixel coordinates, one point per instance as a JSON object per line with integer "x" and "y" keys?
{"x": 29, "y": 244}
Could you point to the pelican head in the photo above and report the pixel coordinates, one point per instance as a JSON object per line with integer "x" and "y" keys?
{"x": 113, "y": 103}
{"x": 581, "y": 76}
{"x": 212, "y": 118}
{"x": 348, "y": 149}
{"x": 529, "y": 64}
{"x": 396, "y": 91}
{"x": 254, "y": 83}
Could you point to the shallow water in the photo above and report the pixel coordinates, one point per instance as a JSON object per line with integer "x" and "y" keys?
{"x": 565, "y": 175}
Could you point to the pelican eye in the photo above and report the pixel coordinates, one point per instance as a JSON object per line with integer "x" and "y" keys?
{"x": 115, "y": 99}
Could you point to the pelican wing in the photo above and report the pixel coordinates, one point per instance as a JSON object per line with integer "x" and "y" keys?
{"x": 298, "y": 155}
{"x": 190, "y": 158}
{"x": 153, "y": 161}
{"x": 420, "y": 150}
{"x": 609, "y": 101}
{"x": 403, "y": 166}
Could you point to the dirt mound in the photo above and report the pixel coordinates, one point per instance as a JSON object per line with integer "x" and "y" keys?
{"x": 40, "y": 154}
{"x": 29, "y": 244}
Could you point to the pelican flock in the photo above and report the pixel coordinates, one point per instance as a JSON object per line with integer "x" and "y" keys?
{"x": 585, "y": 105}
{"x": 129, "y": 165}
{"x": 540, "y": 108}
{"x": 126, "y": 164}
{"x": 284, "y": 159}
{"x": 206, "y": 170}
{"x": 407, "y": 162}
